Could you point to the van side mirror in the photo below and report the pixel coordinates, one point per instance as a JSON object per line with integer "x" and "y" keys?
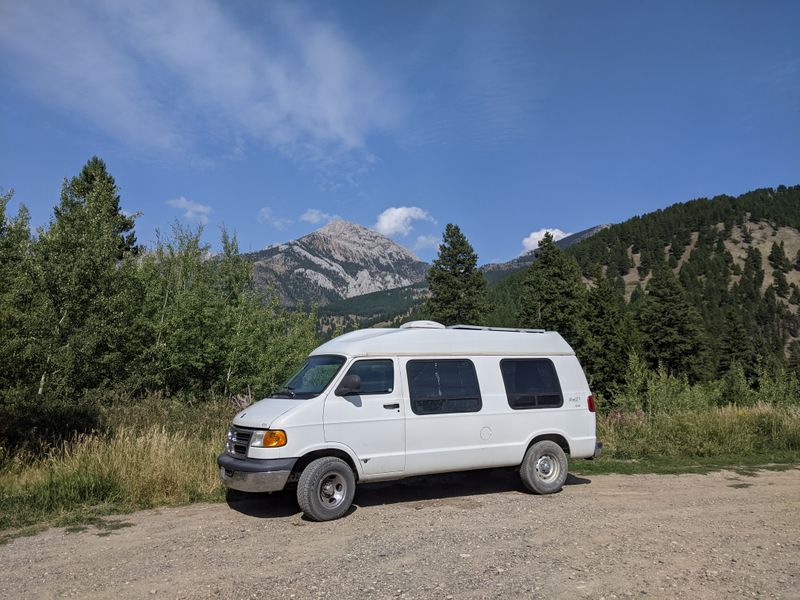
{"x": 351, "y": 384}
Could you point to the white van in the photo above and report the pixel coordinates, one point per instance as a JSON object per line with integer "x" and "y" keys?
{"x": 383, "y": 404}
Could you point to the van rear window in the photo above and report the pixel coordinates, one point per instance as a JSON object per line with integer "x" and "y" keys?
{"x": 531, "y": 383}
{"x": 443, "y": 386}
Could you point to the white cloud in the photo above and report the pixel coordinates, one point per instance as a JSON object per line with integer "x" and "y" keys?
{"x": 169, "y": 74}
{"x": 315, "y": 216}
{"x": 398, "y": 219}
{"x": 532, "y": 241}
{"x": 267, "y": 217}
{"x": 426, "y": 241}
{"x": 192, "y": 211}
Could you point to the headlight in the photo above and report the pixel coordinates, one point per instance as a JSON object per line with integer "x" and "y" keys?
{"x": 268, "y": 439}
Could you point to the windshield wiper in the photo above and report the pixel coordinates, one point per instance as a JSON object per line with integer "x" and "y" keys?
{"x": 284, "y": 391}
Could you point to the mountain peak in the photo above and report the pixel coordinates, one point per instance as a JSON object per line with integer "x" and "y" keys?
{"x": 339, "y": 260}
{"x": 337, "y": 226}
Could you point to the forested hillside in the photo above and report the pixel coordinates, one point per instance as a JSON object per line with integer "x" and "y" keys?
{"x": 735, "y": 264}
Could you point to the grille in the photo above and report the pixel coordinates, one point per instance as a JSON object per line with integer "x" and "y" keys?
{"x": 238, "y": 441}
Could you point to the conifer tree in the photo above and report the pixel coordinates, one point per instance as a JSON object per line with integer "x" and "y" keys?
{"x": 553, "y": 294}
{"x": 778, "y": 259}
{"x": 86, "y": 276}
{"x": 609, "y": 337}
{"x": 794, "y": 297}
{"x": 458, "y": 287}
{"x": 95, "y": 177}
{"x": 735, "y": 346}
{"x": 637, "y": 296}
{"x": 671, "y": 328}
{"x": 781, "y": 285}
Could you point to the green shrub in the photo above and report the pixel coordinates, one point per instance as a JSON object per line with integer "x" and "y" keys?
{"x": 713, "y": 432}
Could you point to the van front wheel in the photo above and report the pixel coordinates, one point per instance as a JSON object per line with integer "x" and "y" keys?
{"x": 326, "y": 488}
{"x": 544, "y": 468}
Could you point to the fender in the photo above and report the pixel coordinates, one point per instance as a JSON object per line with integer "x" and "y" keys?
{"x": 334, "y": 446}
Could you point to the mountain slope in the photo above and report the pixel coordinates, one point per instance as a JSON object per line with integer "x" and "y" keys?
{"x": 340, "y": 260}
{"x": 496, "y": 271}
{"x": 725, "y": 252}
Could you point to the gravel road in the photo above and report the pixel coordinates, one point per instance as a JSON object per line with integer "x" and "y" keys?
{"x": 470, "y": 535}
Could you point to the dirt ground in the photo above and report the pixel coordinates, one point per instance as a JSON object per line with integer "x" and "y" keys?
{"x": 470, "y": 535}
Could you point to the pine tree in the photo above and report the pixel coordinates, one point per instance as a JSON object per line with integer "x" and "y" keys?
{"x": 778, "y": 259}
{"x": 86, "y": 275}
{"x": 95, "y": 177}
{"x": 734, "y": 346}
{"x": 609, "y": 337}
{"x": 637, "y": 297}
{"x": 781, "y": 285}
{"x": 794, "y": 297}
{"x": 458, "y": 287}
{"x": 553, "y": 294}
{"x": 671, "y": 328}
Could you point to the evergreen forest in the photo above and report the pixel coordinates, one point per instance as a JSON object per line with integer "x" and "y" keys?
{"x": 685, "y": 288}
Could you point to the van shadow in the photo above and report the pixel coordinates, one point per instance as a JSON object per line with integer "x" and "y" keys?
{"x": 442, "y": 487}
{"x": 446, "y": 486}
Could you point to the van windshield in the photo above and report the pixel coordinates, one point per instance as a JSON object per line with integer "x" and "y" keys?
{"x": 313, "y": 377}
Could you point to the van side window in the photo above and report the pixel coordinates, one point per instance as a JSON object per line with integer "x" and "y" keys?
{"x": 531, "y": 383}
{"x": 443, "y": 386}
{"x": 377, "y": 376}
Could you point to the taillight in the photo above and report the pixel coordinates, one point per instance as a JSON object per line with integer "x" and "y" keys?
{"x": 590, "y": 401}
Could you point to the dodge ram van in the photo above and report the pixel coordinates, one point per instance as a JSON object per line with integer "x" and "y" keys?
{"x": 383, "y": 404}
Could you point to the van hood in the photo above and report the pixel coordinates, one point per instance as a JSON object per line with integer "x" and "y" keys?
{"x": 261, "y": 414}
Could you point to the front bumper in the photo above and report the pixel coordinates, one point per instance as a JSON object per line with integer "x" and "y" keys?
{"x": 254, "y": 475}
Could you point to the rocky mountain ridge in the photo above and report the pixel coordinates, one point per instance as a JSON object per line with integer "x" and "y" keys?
{"x": 340, "y": 260}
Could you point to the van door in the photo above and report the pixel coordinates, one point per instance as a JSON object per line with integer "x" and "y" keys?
{"x": 372, "y": 421}
{"x": 446, "y": 430}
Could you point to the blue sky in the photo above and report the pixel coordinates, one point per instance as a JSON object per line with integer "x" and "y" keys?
{"x": 503, "y": 117}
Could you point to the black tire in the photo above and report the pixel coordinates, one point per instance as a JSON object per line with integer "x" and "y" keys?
{"x": 326, "y": 489}
{"x": 544, "y": 468}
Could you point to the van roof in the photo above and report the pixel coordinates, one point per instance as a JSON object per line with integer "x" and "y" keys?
{"x": 422, "y": 338}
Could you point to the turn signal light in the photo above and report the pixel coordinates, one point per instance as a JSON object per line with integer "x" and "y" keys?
{"x": 269, "y": 439}
{"x": 590, "y": 401}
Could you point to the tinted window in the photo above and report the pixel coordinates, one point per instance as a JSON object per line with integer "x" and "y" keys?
{"x": 443, "y": 386}
{"x": 377, "y": 376}
{"x": 531, "y": 383}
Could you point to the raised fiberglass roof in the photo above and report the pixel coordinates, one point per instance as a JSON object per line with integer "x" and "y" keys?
{"x": 432, "y": 339}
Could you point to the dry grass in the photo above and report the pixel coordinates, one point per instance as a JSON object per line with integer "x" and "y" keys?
{"x": 714, "y": 432}
{"x": 97, "y": 474}
{"x": 154, "y": 453}
{"x": 164, "y": 454}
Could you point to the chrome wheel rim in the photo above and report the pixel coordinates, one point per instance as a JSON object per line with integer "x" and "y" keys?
{"x": 332, "y": 490}
{"x": 547, "y": 468}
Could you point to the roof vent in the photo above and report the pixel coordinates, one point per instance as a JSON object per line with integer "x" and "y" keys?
{"x": 422, "y": 325}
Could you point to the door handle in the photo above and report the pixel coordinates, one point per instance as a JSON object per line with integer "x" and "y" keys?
{"x": 396, "y": 405}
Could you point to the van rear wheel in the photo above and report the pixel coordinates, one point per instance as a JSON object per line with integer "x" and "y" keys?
{"x": 544, "y": 468}
{"x": 326, "y": 488}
